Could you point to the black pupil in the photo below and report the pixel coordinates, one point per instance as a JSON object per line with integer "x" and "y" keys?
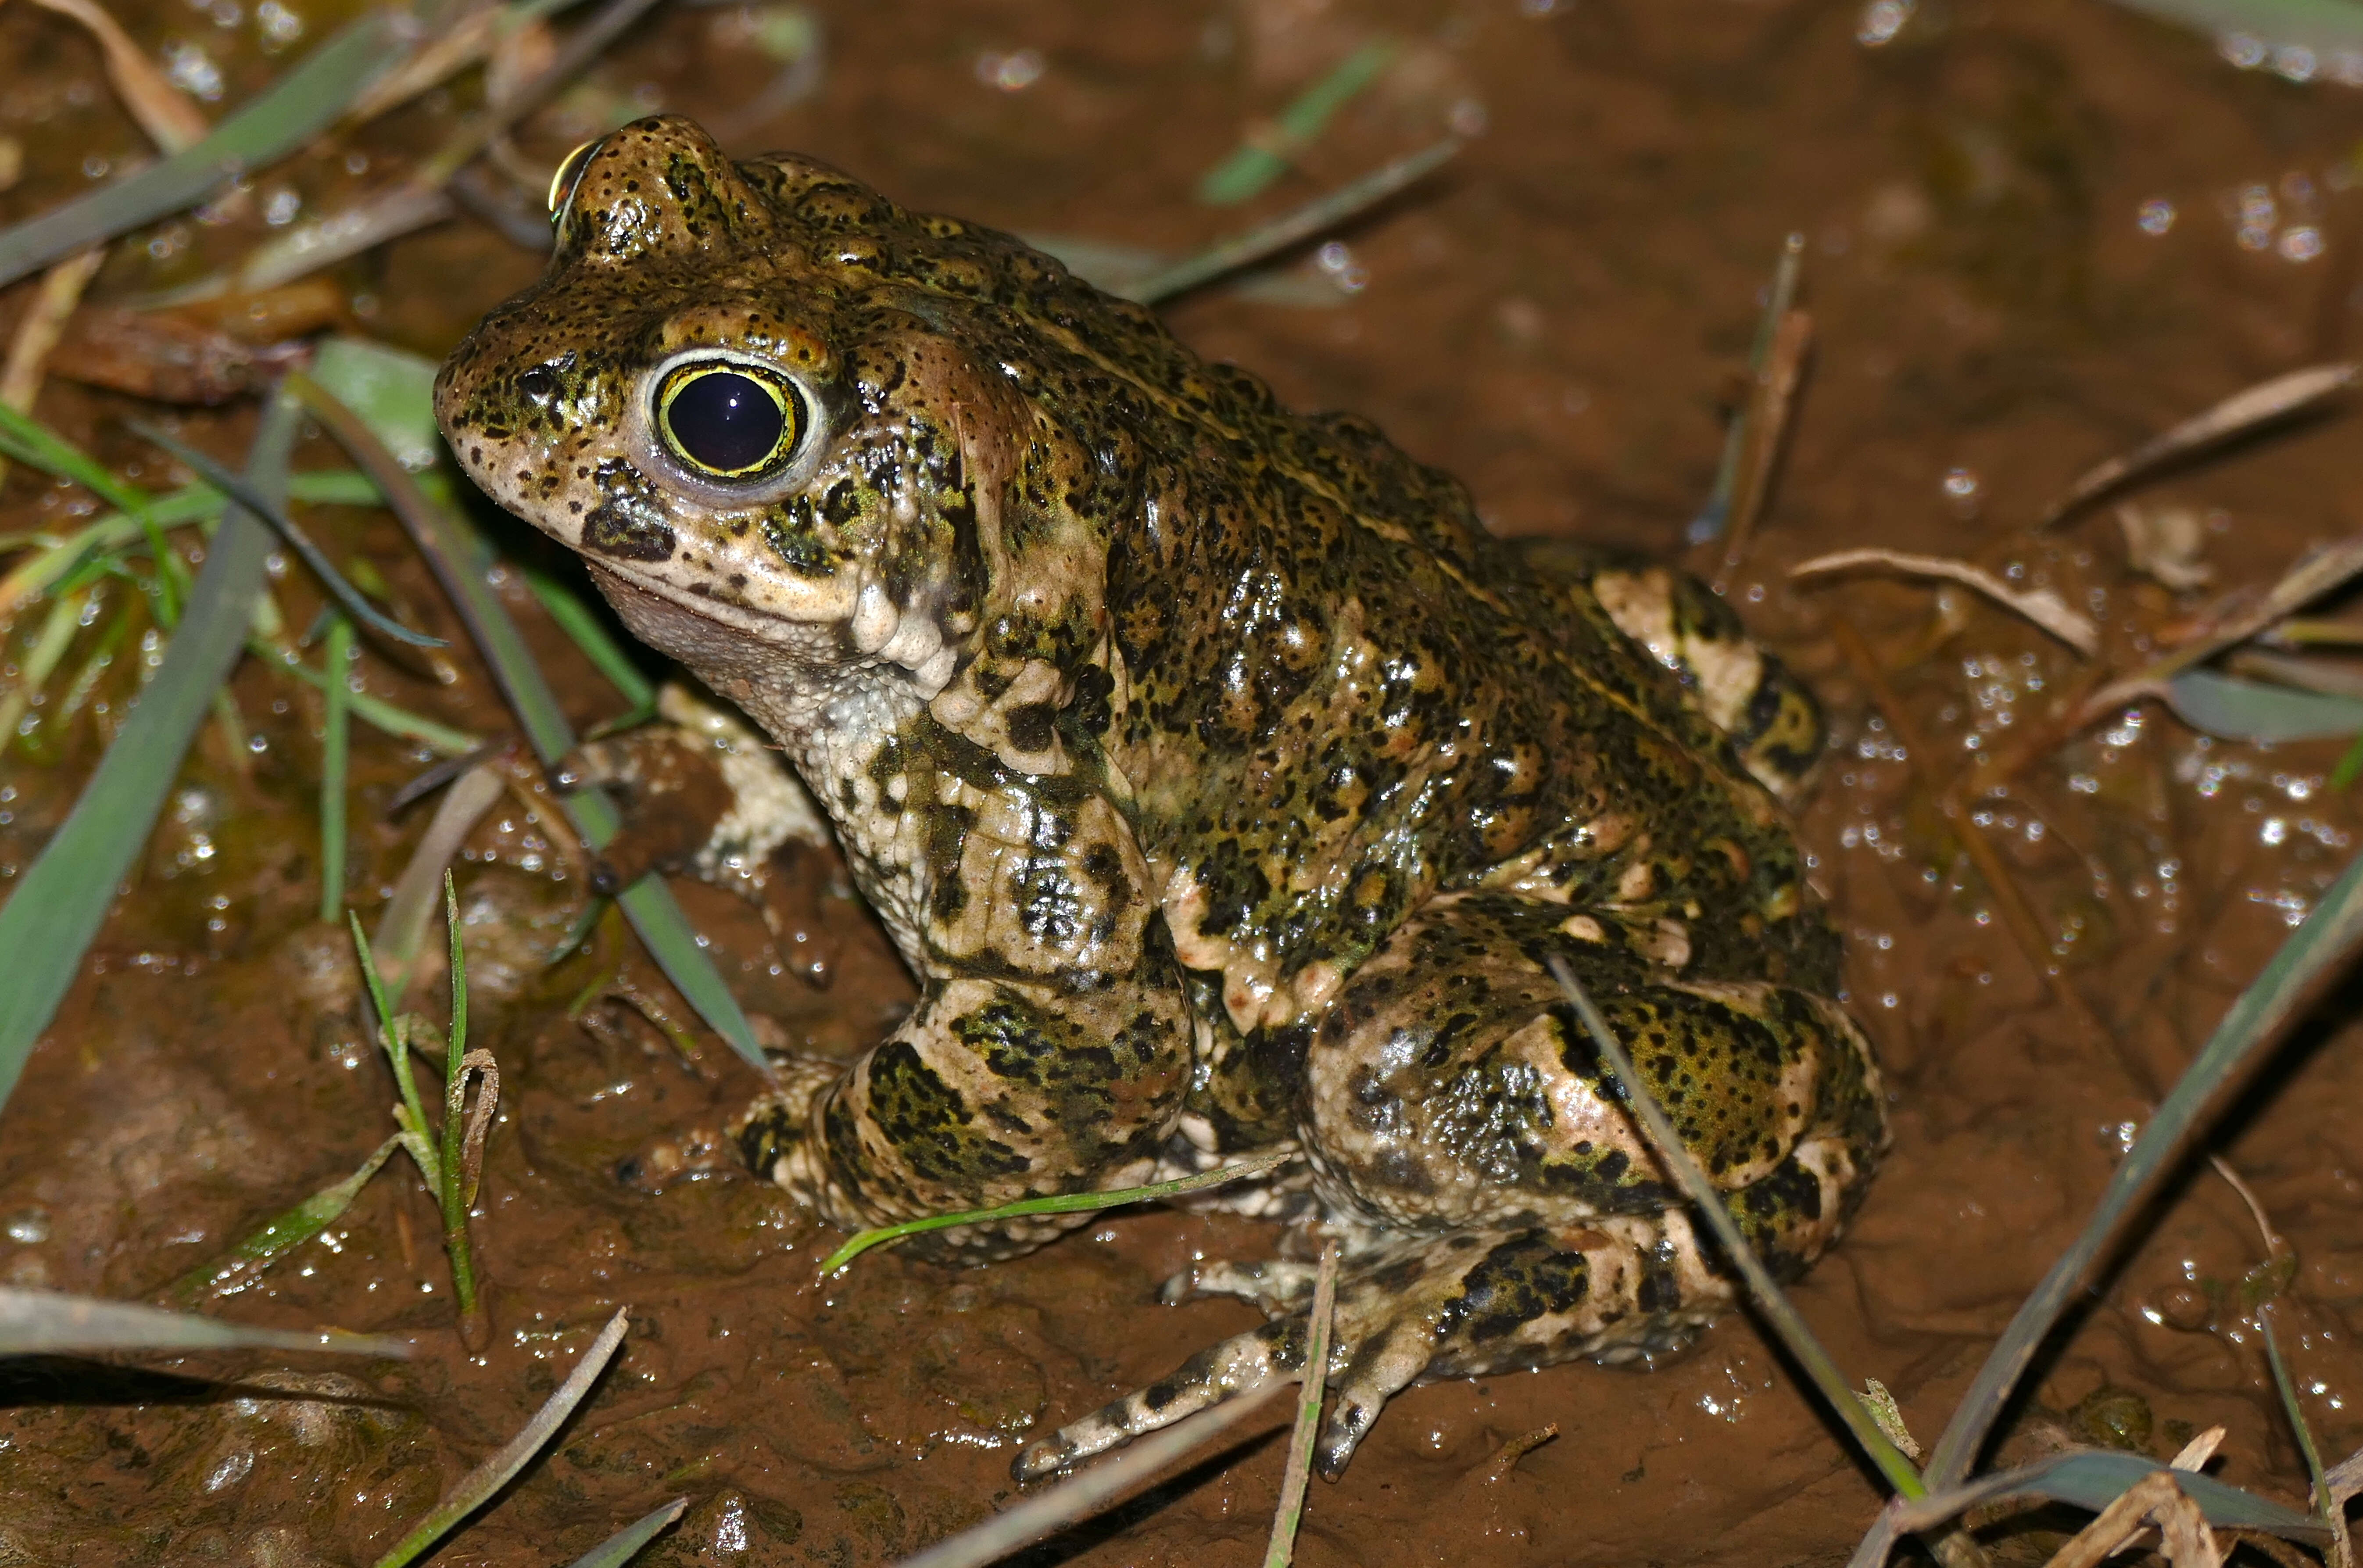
{"x": 725, "y": 421}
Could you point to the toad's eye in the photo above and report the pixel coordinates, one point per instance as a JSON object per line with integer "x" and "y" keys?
{"x": 728, "y": 420}
{"x": 569, "y": 175}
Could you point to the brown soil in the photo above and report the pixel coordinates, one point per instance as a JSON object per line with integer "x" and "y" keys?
{"x": 1557, "y": 318}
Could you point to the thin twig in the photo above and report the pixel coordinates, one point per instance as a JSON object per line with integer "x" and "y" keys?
{"x": 1292, "y": 1480}
{"x": 1773, "y": 396}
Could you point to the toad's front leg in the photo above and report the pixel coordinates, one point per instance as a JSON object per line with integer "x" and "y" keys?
{"x": 990, "y": 1091}
{"x": 1050, "y": 1047}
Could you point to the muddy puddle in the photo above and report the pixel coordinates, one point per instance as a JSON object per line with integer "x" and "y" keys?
{"x": 2034, "y": 232}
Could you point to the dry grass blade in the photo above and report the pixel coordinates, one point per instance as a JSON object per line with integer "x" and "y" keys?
{"x": 2154, "y": 1499}
{"x": 1292, "y": 228}
{"x": 2041, "y": 606}
{"x": 43, "y": 323}
{"x": 402, "y": 925}
{"x": 2235, "y": 415}
{"x": 1710, "y": 1206}
{"x": 2314, "y": 574}
{"x": 163, "y": 110}
{"x": 1080, "y": 1495}
{"x": 619, "y": 1548}
{"x": 2346, "y": 1478}
{"x": 1299, "y": 1472}
{"x": 44, "y": 1322}
{"x": 2316, "y": 950}
{"x": 1765, "y": 430}
{"x": 1060, "y": 1202}
{"x": 479, "y": 1485}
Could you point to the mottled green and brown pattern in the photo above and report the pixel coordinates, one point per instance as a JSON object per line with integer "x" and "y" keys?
{"x": 1224, "y": 784}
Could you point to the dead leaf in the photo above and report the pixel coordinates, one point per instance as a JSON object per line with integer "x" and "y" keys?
{"x": 2041, "y": 606}
{"x": 165, "y": 356}
{"x": 164, "y": 111}
{"x": 2154, "y": 1499}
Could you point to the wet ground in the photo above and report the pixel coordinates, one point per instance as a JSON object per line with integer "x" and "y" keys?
{"x": 2035, "y": 232}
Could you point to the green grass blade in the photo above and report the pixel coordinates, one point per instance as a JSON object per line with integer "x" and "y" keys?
{"x": 1247, "y": 172}
{"x": 272, "y": 511}
{"x": 455, "y": 1192}
{"x": 1713, "y": 1207}
{"x": 40, "y": 662}
{"x": 61, "y": 900}
{"x": 335, "y": 746}
{"x": 377, "y": 711}
{"x": 648, "y": 903}
{"x": 281, "y": 119}
{"x": 44, "y": 1322}
{"x": 1293, "y": 227}
{"x": 2316, "y": 950}
{"x": 590, "y": 634}
{"x": 479, "y": 1485}
{"x": 28, "y": 440}
{"x": 1062, "y": 1203}
{"x": 279, "y": 1235}
{"x": 2093, "y": 1478}
{"x": 2326, "y": 27}
{"x": 624, "y": 1544}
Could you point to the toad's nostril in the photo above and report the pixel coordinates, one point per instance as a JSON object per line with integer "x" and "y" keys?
{"x": 538, "y": 384}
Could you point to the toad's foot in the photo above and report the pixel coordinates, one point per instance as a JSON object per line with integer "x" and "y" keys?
{"x": 1430, "y": 1307}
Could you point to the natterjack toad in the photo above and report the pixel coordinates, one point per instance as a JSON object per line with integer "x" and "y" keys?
{"x": 1224, "y": 784}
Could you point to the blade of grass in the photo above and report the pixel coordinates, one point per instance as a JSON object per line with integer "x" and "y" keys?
{"x": 1062, "y": 1203}
{"x": 2237, "y": 414}
{"x": 2333, "y": 1517}
{"x": 45, "y": 1322}
{"x": 393, "y": 1037}
{"x": 58, "y": 905}
{"x": 1290, "y": 228}
{"x": 479, "y": 1485}
{"x": 1245, "y": 174}
{"x": 1282, "y": 1545}
{"x": 345, "y": 593}
{"x": 41, "y": 661}
{"x": 375, "y": 711}
{"x": 624, "y": 1544}
{"x": 282, "y": 118}
{"x": 28, "y": 440}
{"x": 1084, "y": 1494}
{"x": 590, "y": 634}
{"x": 336, "y": 743}
{"x": 201, "y": 504}
{"x": 401, "y": 924}
{"x": 2315, "y": 950}
{"x": 456, "y": 1195}
{"x": 2093, "y": 1478}
{"x": 1762, "y": 1289}
{"x": 279, "y": 1235}
{"x": 453, "y": 556}
{"x": 1710, "y": 522}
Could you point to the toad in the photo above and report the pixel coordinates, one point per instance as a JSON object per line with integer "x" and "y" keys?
{"x": 1224, "y": 784}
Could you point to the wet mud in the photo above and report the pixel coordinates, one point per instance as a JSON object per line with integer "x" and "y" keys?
{"x": 2034, "y": 233}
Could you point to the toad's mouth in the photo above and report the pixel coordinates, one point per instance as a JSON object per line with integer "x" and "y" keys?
{"x": 825, "y": 604}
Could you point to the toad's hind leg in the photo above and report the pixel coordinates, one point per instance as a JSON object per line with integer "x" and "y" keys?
{"x": 1501, "y": 1208}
